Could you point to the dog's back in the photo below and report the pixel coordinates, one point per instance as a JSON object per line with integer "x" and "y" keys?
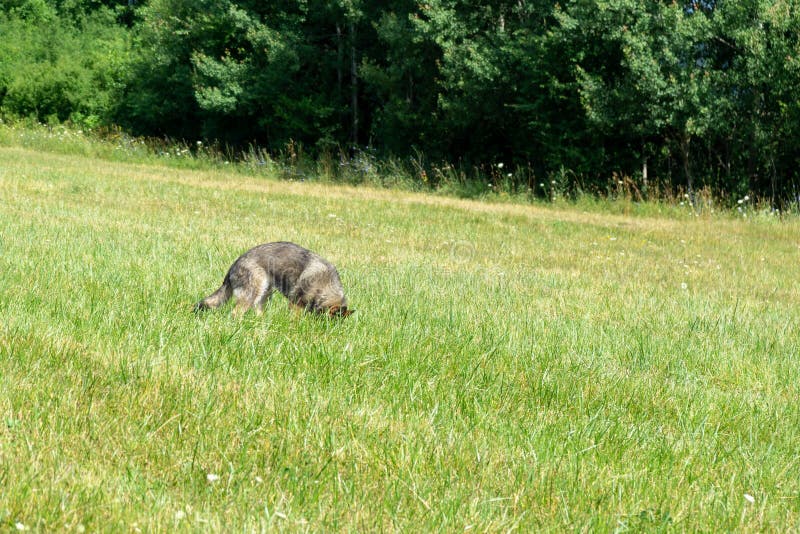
{"x": 283, "y": 261}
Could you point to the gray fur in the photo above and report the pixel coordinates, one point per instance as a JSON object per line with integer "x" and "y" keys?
{"x": 309, "y": 281}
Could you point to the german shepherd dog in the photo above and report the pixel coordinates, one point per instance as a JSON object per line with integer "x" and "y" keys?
{"x": 310, "y": 282}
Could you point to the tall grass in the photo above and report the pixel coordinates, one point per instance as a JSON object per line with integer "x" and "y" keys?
{"x": 509, "y": 366}
{"x": 493, "y": 183}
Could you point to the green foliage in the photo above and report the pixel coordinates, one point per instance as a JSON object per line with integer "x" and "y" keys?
{"x": 656, "y": 87}
{"x": 52, "y": 68}
{"x": 762, "y": 41}
{"x": 227, "y": 72}
{"x": 668, "y": 97}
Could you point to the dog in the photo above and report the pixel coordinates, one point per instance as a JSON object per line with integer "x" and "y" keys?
{"x": 307, "y": 280}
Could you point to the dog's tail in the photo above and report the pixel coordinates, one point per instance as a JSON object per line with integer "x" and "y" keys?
{"x": 215, "y": 299}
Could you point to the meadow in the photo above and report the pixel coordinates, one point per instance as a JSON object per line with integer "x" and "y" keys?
{"x": 510, "y": 366}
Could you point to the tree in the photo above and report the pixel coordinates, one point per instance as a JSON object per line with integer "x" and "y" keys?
{"x": 761, "y": 78}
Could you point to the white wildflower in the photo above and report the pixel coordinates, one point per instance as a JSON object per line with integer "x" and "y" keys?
{"x": 749, "y": 498}
{"x": 211, "y": 477}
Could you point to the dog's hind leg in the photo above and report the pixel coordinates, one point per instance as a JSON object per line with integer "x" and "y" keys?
{"x": 241, "y": 307}
{"x": 264, "y": 291}
{"x": 249, "y": 284}
{"x": 245, "y": 299}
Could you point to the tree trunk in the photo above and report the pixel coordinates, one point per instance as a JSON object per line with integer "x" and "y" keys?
{"x": 339, "y": 60}
{"x": 644, "y": 176}
{"x": 773, "y": 179}
{"x": 354, "y": 82}
{"x": 687, "y": 172}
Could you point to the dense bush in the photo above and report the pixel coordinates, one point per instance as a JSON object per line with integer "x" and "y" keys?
{"x": 56, "y": 67}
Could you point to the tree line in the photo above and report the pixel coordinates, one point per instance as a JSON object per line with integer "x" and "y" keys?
{"x": 669, "y": 96}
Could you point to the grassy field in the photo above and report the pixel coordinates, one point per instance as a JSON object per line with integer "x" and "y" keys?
{"x": 509, "y": 366}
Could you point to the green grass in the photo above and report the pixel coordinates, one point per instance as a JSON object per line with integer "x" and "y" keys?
{"x": 509, "y": 366}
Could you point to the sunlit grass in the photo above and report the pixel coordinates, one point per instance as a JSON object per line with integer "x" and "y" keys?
{"x": 508, "y": 366}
